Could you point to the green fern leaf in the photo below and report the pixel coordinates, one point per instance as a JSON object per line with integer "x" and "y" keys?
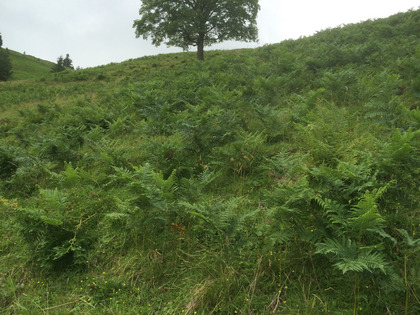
{"x": 409, "y": 241}
{"x": 366, "y": 214}
{"x": 51, "y": 221}
{"x": 350, "y": 257}
{"x": 115, "y": 216}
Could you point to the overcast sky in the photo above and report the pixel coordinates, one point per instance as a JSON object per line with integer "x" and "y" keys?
{"x": 97, "y": 32}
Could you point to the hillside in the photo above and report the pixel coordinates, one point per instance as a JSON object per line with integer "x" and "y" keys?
{"x": 283, "y": 179}
{"x": 28, "y": 67}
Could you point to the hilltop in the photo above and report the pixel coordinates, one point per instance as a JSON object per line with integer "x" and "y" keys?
{"x": 28, "y": 67}
{"x": 282, "y": 179}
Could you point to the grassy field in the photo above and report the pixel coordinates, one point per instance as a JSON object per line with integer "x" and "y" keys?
{"x": 283, "y": 179}
{"x": 28, "y": 67}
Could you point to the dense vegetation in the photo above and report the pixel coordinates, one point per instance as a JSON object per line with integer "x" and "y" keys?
{"x": 282, "y": 179}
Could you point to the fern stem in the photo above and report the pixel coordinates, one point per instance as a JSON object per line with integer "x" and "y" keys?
{"x": 313, "y": 270}
{"x": 406, "y": 284}
{"x": 355, "y": 293}
{"x": 280, "y": 266}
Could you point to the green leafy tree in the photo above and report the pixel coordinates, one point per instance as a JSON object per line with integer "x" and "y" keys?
{"x": 62, "y": 64}
{"x": 5, "y": 64}
{"x": 197, "y": 22}
{"x": 67, "y": 62}
{"x": 59, "y": 66}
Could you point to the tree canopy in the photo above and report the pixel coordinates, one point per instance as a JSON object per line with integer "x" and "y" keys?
{"x": 67, "y": 62}
{"x": 197, "y": 23}
{"x": 62, "y": 64}
{"x": 59, "y": 66}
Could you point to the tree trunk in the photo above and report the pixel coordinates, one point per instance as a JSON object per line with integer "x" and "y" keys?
{"x": 200, "y": 48}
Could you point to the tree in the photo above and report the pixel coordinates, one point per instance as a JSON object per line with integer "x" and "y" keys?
{"x": 185, "y": 23}
{"x": 59, "y": 66}
{"x": 67, "y": 62}
{"x": 5, "y": 64}
{"x": 62, "y": 64}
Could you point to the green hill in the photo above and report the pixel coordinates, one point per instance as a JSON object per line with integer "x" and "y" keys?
{"x": 28, "y": 67}
{"x": 283, "y": 179}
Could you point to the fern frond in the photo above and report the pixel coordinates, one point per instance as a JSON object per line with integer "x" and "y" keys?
{"x": 206, "y": 177}
{"x": 372, "y": 260}
{"x": 350, "y": 257}
{"x": 115, "y": 216}
{"x": 366, "y": 261}
{"x": 384, "y": 235}
{"x": 346, "y": 249}
{"x": 50, "y": 221}
{"x": 346, "y": 265}
{"x": 280, "y": 237}
{"x": 408, "y": 240}
{"x": 336, "y": 213}
{"x": 365, "y": 214}
{"x": 54, "y": 198}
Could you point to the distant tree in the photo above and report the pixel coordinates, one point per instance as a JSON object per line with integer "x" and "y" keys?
{"x": 59, "y": 66}
{"x": 67, "y": 62}
{"x": 62, "y": 64}
{"x": 5, "y": 64}
{"x": 184, "y": 23}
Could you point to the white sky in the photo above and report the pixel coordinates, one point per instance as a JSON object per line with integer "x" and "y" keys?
{"x": 97, "y": 32}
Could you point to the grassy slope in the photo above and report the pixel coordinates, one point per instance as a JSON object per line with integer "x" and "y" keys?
{"x": 276, "y": 179}
{"x": 28, "y": 67}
